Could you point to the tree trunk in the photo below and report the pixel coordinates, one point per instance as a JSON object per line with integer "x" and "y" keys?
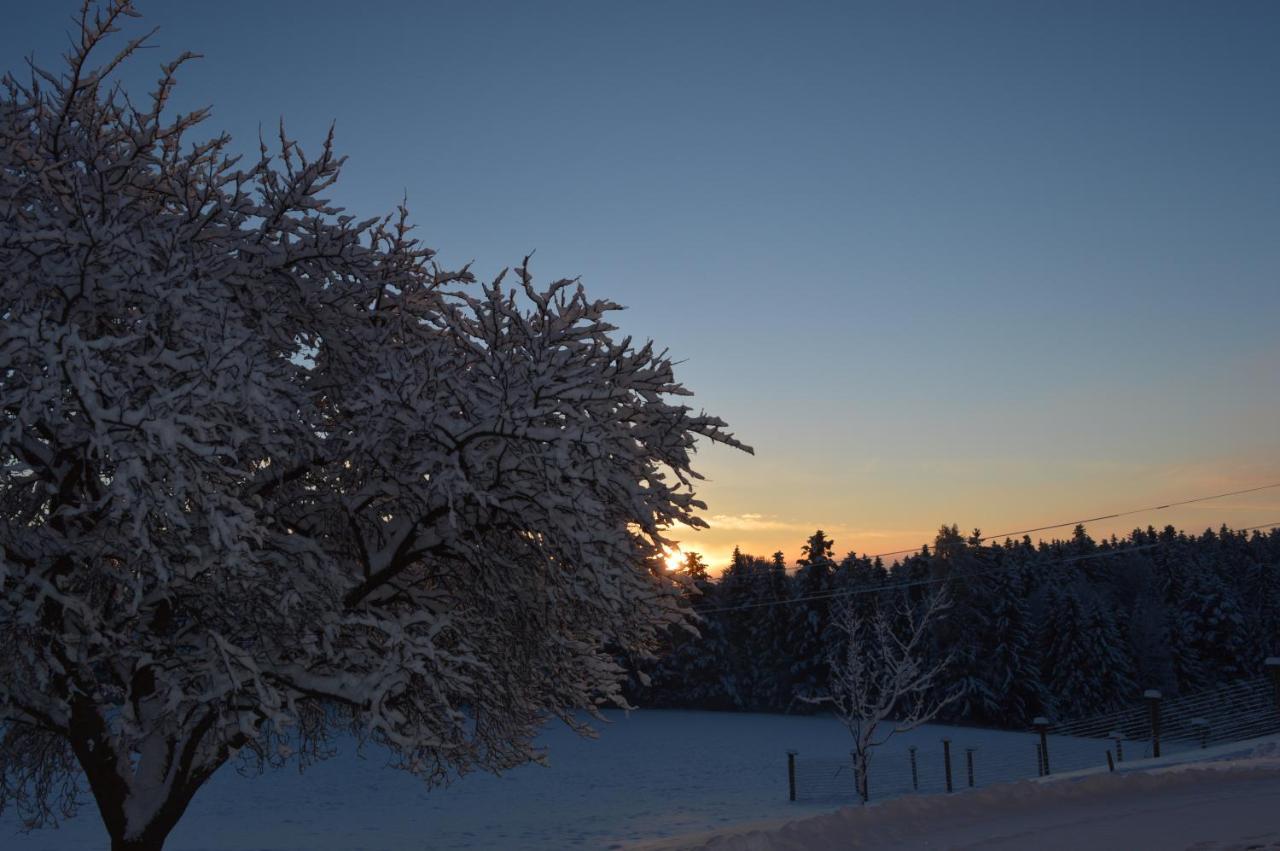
{"x": 152, "y": 837}
{"x": 151, "y": 841}
{"x": 111, "y": 792}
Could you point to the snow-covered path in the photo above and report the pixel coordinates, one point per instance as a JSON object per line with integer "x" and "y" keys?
{"x": 1219, "y": 805}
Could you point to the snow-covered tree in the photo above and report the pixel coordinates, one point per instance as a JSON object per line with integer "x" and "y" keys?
{"x": 1087, "y": 668}
{"x": 1216, "y": 624}
{"x": 689, "y": 670}
{"x": 751, "y": 628}
{"x": 1003, "y": 688}
{"x": 772, "y": 635}
{"x": 810, "y": 617}
{"x": 269, "y": 473}
{"x": 880, "y": 681}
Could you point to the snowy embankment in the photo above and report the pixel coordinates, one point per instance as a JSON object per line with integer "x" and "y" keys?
{"x": 1225, "y": 799}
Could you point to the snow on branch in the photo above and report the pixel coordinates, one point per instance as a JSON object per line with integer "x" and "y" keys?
{"x": 269, "y": 472}
{"x": 882, "y": 681}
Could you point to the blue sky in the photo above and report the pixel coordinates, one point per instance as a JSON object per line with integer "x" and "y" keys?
{"x": 987, "y": 263}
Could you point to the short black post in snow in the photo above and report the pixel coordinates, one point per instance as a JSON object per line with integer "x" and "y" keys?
{"x": 1039, "y": 760}
{"x": 1201, "y": 726}
{"x": 1119, "y": 739}
{"x": 791, "y": 773}
{"x": 946, "y": 760}
{"x": 1152, "y": 697}
{"x": 968, "y": 758}
{"x": 1272, "y": 664}
{"x": 915, "y": 773}
{"x": 1111, "y": 763}
{"x": 1042, "y": 727}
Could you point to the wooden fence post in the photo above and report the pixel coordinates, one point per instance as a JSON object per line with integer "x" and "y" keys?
{"x": 1119, "y": 738}
{"x": 1272, "y": 664}
{"x": 946, "y": 760}
{"x": 1042, "y": 726}
{"x": 791, "y": 773}
{"x": 915, "y": 774}
{"x": 968, "y": 758}
{"x": 1111, "y": 763}
{"x": 1201, "y": 725}
{"x": 1152, "y": 696}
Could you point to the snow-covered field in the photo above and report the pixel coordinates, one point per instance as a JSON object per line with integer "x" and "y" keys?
{"x": 651, "y": 774}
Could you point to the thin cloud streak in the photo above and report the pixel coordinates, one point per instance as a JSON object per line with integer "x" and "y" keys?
{"x": 754, "y": 522}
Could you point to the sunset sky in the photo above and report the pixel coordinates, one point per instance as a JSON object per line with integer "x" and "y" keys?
{"x": 996, "y": 264}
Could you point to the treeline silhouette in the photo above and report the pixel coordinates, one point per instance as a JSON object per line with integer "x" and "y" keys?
{"x": 1066, "y": 628}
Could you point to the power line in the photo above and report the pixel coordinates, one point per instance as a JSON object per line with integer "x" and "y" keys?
{"x": 1133, "y": 511}
{"x": 1082, "y": 521}
{"x": 913, "y": 583}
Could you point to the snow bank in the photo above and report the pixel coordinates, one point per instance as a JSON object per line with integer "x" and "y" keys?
{"x": 1223, "y": 803}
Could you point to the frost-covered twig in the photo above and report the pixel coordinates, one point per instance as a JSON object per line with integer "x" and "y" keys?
{"x": 880, "y": 681}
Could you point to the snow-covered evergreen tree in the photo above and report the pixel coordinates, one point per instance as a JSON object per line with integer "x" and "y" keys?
{"x": 688, "y": 672}
{"x": 1005, "y": 689}
{"x": 772, "y": 627}
{"x": 961, "y": 632}
{"x": 1260, "y": 590}
{"x": 741, "y": 674}
{"x": 1086, "y": 667}
{"x": 810, "y": 617}
{"x": 1157, "y": 609}
{"x": 1216, "y": 627}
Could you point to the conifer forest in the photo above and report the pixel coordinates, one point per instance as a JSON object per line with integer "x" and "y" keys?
{"x": 1067, "y": 628}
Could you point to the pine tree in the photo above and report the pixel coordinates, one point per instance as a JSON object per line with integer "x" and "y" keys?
{"x": 687, "y": 673}
{"x": 1086, "y": 668}
{"x": 1149, "y": 647}
{"x": 1030, "y": 628}
{"x": 1217, "y": 630}
{"x": 772, "y": 625}
{"x": 810, "y": 618}
{"x": 961, "y": 633}
{"x": 741, "y": 675}
{"x": 1008, "y": 690}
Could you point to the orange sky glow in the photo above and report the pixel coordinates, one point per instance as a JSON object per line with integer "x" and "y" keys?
{"x": 969, "y": 501}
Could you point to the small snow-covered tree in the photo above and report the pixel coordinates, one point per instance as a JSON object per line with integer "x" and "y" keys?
{"x": 269, "y": 473}
{"x": 879, "y": 681}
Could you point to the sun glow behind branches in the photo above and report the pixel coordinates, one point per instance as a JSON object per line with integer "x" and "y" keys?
{"x": 677, "y": 558}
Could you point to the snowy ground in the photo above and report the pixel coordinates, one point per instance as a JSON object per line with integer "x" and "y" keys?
{"x": 659, "y": 774}
{"x": 1224, "y": 805}
{"x": 650, "y": 774}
